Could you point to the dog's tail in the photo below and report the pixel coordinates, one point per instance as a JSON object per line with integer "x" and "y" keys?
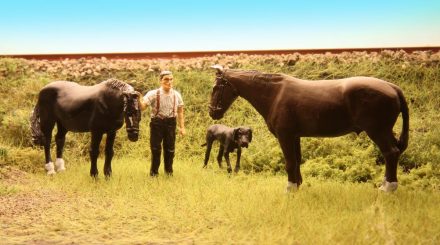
{"x": 35, "y": 127}
{"x": 204, "y": 144}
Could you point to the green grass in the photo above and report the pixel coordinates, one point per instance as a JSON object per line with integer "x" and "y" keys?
{"x": 350, "y": 158}
{"x": 209, "y": 206}
{"x": 338, "y": 203}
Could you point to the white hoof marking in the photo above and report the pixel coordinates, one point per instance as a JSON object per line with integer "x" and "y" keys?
{"x": 291, "y": 187}
{"x": 59, "y": 163}
{"x": 50, "y": 168}
{"x": 388, "y": 186}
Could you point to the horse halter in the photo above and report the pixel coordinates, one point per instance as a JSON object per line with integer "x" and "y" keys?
{"x": 222, "y": 82}
{"x": 131, "y": 108}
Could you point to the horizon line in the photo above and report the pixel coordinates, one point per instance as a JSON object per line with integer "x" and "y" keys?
{"x": 194, "y": 54}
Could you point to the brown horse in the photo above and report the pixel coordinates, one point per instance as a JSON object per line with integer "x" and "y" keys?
{"x": 294, "y": 108}
{"x": 99, "y": 109}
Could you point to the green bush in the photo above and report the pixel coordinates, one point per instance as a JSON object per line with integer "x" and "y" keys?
{"x": 15, "y": 127}
{"x": 29, "y": 159}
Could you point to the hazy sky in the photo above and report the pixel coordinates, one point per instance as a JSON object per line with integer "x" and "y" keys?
{"x": 97, "y": 26}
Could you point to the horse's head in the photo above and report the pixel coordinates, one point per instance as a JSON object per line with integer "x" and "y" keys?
{"x": 222, "y": 96}
{"x": 132, "y": 114}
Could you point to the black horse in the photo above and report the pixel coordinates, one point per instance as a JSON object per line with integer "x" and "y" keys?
{"x": 294, "y": 108}
{"x": 99, "y": 109}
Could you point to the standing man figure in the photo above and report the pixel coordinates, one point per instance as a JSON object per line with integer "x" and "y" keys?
{"x": 166, "y": 106}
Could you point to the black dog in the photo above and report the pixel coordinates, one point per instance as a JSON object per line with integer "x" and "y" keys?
{"x": 230, "y": 139}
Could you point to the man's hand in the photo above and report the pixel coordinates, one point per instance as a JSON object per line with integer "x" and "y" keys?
{"x": 182, "y": 131}
{"x": 141, "y": 102}
{"x": 181, "y": 121}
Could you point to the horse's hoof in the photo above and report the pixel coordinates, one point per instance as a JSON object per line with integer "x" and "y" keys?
{"x": 229, "y": 170}
{"x": 291, "y": 187}
{"x": 50, "y": 168}
{"x": 59, "y": 164}
{"x": 236, "y": 170}
{"x": 388, "y": 186}
{"x": 51, "y": 172}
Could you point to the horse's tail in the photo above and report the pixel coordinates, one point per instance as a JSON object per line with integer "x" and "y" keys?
{"x": 402, "y": 143}
{"x": 36, "y": 133}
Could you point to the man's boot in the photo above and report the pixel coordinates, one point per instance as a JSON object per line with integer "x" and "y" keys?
{"x": 168, "y": 160}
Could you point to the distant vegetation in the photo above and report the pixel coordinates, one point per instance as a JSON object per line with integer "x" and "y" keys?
{"x": 350, "y": 158}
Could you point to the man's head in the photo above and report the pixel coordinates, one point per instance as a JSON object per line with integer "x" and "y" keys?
{"x": 166, "y": 80}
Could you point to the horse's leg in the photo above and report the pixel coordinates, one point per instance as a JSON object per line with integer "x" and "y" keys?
{"x": 298, "y": 160}
{"x": 220, "y": 156}
{"x": 388, "y": 146}
{"x": 292, "y": 165}
{"x": 208, "y": 151}
{"x": 60, "y": 138}
{"x": 46, "y": 128}
{"x": 109, "y": 153}
{"x": 237, "y": 165}
{"x": 94, "y": 152}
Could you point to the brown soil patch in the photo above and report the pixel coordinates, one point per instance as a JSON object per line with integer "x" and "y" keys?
{"x": 13, "y": 176}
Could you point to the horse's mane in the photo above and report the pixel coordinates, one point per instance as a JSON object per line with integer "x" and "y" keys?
{"x": 257, "y": 76}
{"x": 116, "y": 84}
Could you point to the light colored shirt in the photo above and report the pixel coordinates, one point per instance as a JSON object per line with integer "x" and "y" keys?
{"x": 166, "y": 102}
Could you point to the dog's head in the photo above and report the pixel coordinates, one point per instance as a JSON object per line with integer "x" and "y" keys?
{"x": 243, "y": 136}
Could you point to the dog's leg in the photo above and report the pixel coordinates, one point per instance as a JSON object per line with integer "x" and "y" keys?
{"x": 226, "y": 154}
{"x": 220, "y": 156}
{"x": 208, "y": 151}
{"x": 237, "y": 165}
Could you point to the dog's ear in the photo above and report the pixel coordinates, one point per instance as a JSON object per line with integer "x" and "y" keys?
{"x": 235, "y": 134}
{"x": 250, "y": 135}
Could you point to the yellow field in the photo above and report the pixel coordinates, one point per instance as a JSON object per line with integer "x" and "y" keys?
{"x": 207, "y": 206}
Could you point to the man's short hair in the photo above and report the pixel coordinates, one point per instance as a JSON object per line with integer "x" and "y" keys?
{"x": 164, "y": 73}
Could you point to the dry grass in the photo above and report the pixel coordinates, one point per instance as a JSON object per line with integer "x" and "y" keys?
{"x": 209, "y": 206}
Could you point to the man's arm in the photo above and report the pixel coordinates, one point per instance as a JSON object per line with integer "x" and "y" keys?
{"x": 181, "y": 120}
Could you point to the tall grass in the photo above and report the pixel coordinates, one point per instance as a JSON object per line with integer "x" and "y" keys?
{"x": 199, "y": 205}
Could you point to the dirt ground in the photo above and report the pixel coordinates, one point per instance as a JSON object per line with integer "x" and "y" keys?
{"x": 22, "y": 202}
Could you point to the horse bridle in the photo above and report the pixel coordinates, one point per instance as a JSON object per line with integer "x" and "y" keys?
{"x": 222, "y": 82}
{"x": 130, "y": 111}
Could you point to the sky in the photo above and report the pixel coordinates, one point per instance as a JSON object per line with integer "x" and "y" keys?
{"x": 109, "y": 26}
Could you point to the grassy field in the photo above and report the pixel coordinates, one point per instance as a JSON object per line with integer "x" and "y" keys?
{"x": 208, "y": 206}
{"x": 338, "y": 203}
